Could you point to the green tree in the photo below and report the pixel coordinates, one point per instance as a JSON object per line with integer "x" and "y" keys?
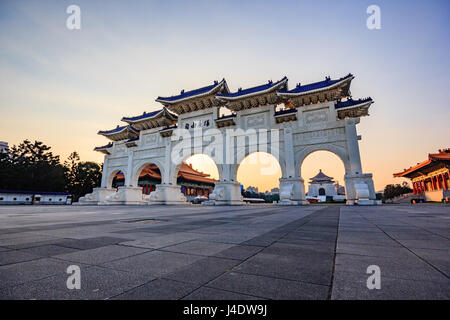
{"x": 31, "y": 166}
{"x": 81, "y": 177}
{"x": 394, "y": 190}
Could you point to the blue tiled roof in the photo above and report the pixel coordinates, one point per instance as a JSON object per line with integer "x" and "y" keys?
{"x": 132, "y": 139}
{"x": 192, "y": 93}
{"x": 351, "y": 102}
{"x": 143, "y": 116}
{"x": 243, "y": 92}
{"x": 109, "y": 145}
{"x": 118, "y": 129}
{"x": 316, "y": 85}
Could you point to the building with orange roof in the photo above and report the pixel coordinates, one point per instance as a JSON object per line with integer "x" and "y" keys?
{"x": 430, "y": 178}
{"x": 192, "y": 182}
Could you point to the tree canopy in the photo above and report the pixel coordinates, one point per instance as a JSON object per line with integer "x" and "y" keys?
{"x": 394, "y": 190}
{"x": 33, "y": 167}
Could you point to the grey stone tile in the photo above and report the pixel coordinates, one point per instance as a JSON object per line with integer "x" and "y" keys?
{"x": 160, "y": 289}
{"x": 162, "y": 241}
{"x": 261, "y": 241}
{"x": 24, "y": 241}
{"x": 102, "y": 254}
{"x": 269, "y": 288}
{"x": 90, "y": 243}
{"x": 96, "y": 283}
{"x": 238, "y": 252}
{"x": 351, "y": 286}
{"x": 198, "y": 247}
{"x": 33, "y": 244}
{"x": 18, "y": 273}
{"x": 407, "y": 268}
{"x": 32, "y": 291}
{"x": 202, "y": 271}
{"x": 440, "y": 259}
{"x": 325, "y": 246}
{"x": 15, "y": 256}
{"x": 316, "y": 270}
{"x": 311, "y": 235}
{"x": 48, "y": 250}
{"x": 156, "y": 263}
{"x": 373, "y": 250}
{"x": 301, "y": 251}
{"x": 426, "y": 244}
{"x": 205, "y": 293}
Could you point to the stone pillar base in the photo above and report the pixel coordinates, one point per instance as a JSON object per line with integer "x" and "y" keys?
{"x": 166, "y": 194}
{"x": 97, "y": 196}
{"x": 359, "y": 189}
{"x": 292, "y": 191}
{"x": 125, "y": 195}
{"x": 226, "y": 193}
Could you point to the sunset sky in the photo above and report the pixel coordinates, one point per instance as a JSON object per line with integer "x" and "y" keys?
{"x": 61, "y": 86}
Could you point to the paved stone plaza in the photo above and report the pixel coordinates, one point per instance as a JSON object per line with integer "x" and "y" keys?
{"x": 246, "y": 252}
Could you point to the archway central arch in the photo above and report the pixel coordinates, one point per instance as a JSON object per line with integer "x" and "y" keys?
{"x": 323, "y": 171}
{"x": 262, "y": 171}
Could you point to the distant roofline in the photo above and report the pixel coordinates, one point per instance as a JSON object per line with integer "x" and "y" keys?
{"x": 191, "y": 94}
{"x": 252, "y": 91}
{"x": 332, "y": 83}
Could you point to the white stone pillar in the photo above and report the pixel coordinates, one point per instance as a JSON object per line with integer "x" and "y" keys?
{"x": 289, "y": 154}
{"x": 105, "y": 172}
{"x": 129, "y": 175}
{"x": 352, "y": 146}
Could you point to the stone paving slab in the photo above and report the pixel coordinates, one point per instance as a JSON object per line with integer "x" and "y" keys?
{"x": 101, "y": 255}
{"x": 351, "y": 286}
{"x": 48, "y": 250}
{"x": 205, "y": 293}
{"x": 202, "y": 271}
{"x": 160, "y": 289}
{"x": 156, "y": 263}
{"x": 14, "y": 256}
{"x": 268, "y": 287}
{"x": 197, "y": 247}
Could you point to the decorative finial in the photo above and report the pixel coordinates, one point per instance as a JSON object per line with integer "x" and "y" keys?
{"x": 299, "y": 85}
{"x": 240, "y": 89}
{"x": 270, "y": 81}
{"x": 182, "y": 91}
{"x": 216, "y": 82}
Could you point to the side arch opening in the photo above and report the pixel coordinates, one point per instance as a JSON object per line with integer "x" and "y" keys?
{"x": 196, "y": 176}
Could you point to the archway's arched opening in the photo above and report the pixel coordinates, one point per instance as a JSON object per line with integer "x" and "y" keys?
{"x": 117, "y": 179}
{"x": 259, "y": 174}
{"x": 148, "y": 177}
{"x": 323, "y": 173}
{"x": 197, "y": 176}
